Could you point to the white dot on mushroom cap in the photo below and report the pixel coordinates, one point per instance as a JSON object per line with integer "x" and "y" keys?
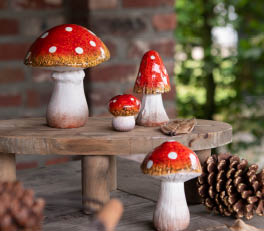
{"x": 139, "y": 74}
{"x": 44, "y": 35}
{"x": 92, "y": 43}
{"x": 78, "y": 50}
{"x": 152, "y": 57}
{"x": 173, "y": 155}
{"x": 28, "y": 55}
{"x": 156, "y": 68}
{"x": 102, "y": 52}
{"x": 68, "y": 28}
{"x": 149, "y": 164}
{"x": 164, "y": 78}
{"x": 132, "y": 99}
{"x": 171, "y": 141}
{"x": 52, "y": 49}
{"x": 193, "y": 160}
{"x": 114, "y": 100}
{"x": 165, "y": 71}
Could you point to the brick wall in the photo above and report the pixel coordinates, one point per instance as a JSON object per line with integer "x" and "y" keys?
{"x": 128, "y": 27}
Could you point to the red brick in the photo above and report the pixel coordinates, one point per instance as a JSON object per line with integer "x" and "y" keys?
{"x": 170, "y": 107}
{"x": 11, "y": 75}
{"x": 165, "y": 47}
{"x": 26, "y": 165}
{"x": 13, "y": 51}
{"x": 37, "y": 99}
{"x": 112, "y": 47}
{"x": 162, "y": 22}
{"x": 58, "y": 160}
{"x": 36, "y": 4}
{"x": 114, "y": 72}
{"x": 8, "y": 26}
{"x": 147, "y": 3}
{"x": 101, "y": 4}
{"x": 171, "y": 95}
{"x": 41, "y": 75}
{"x": 10, "y": 100}
{"x": 170, "y": 67}
{"x": 125, "y": 25}
{"x": 3, "y": 4}
{"x": 101, "y": 96}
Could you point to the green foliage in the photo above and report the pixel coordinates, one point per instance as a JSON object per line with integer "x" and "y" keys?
{"x": 222, "y": 84}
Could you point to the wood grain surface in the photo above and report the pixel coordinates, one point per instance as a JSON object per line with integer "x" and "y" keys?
{"x": 60, "y": 185}
{"x": 33, "y": 136}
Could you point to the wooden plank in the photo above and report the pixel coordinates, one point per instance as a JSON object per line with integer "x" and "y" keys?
{"x": 95, "y": 187}
{"x": 60, "y": 185}
{"x": 33, "y": 136}
{"x": 7, "y": 167}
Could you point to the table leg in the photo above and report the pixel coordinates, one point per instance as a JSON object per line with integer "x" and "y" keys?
{"x": 191, "y": 191}
{"x": 7, "y": 167}
{"x": 112, "y": 174}
{"x": 95, "y": 188}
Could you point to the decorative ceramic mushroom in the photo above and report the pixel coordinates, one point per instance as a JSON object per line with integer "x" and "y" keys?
{"x": 152, "y": 81}
{"x": 124, "y": 108}
{"x": 67, "y": 50}
{"x": 173, "y": 164}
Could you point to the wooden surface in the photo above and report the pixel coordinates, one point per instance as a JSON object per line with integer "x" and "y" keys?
{"x": 7, "y": 167}
{"x": 61, "y": 187}
{"x": 33, "y": 136}
{"x": 95, "y": 185}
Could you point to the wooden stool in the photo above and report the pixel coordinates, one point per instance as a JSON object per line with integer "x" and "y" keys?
{"x": 98, "y": 144}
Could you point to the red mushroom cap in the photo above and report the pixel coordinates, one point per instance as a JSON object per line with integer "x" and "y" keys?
{"x": 67, "y": 45}
{"x": 171, "y": 157}
{"x": 152, "y": 76}
{"x": 124, "y": 105}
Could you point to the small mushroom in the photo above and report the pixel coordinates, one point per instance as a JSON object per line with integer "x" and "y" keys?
{"x": 67, "y": 50}
{"x": 124, "y": 108}
{"x": 173, "y": 164}
{"x": 152, "y": 81}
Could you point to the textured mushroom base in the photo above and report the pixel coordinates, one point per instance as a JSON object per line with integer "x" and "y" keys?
{"x": 125, "y": 112}
{"x": 123, "y": 123}
{"x": 152, "y": 112}
{"x": 52, "y": 60}
{"x": 151, "y": 90}
{"x": 65, "y": 121}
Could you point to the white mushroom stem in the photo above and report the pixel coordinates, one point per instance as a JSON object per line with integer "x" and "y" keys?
{"x": 123, "y": 123}
{"x": 67, "y": 107}
{"x": 152, "y": 111}
{"x": 171, "y": 211}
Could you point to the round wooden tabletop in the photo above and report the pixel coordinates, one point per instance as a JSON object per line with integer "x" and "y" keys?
{"x": 33, "y": 136}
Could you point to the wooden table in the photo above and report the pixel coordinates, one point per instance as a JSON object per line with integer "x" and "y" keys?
{"x": 60, "y": 186}
{"x": 98, "y": 145}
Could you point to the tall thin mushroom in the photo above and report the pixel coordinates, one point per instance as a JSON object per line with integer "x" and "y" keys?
{"x": 152, "y": 81}
{"x": 67, "y": 50}
{"x": 173, "y": 164}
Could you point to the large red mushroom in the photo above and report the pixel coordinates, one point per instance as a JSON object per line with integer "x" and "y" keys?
{"x": 172, "y": 163}
{"x": 152, "y": 81}
{"x": 67, "y": 50}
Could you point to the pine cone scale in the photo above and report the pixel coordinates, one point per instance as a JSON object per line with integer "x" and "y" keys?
{"x": 232, "y": 187}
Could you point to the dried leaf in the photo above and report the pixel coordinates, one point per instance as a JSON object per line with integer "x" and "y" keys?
{"x": 178, "y": 126}
{"x": 240, "y": 225}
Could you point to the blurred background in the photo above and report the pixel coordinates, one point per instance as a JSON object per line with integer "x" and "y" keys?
{"x": 213, "y": 51}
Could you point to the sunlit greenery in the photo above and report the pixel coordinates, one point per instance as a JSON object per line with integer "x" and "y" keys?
{"x": 221, "y": 82}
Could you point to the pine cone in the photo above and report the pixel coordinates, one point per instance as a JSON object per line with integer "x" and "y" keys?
{"x": 19, "y": 210}
{"x": 231, "y": 187}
